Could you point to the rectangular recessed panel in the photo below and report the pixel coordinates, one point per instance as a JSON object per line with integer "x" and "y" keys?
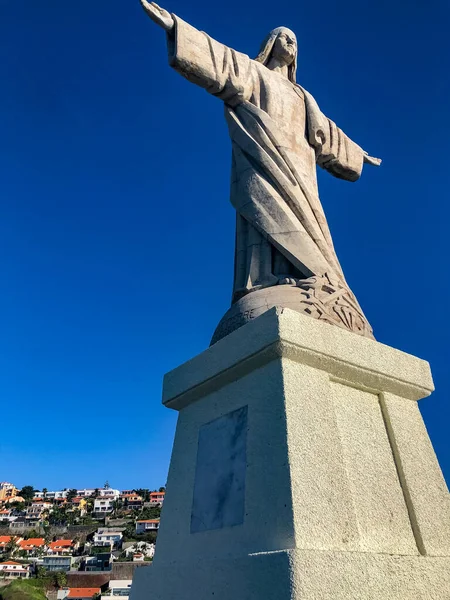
{"x": 378, "y": 501}
{"x": 219, "y": 488}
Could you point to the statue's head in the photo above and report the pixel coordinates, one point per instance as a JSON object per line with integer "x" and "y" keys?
{"x": 281, "y": 44}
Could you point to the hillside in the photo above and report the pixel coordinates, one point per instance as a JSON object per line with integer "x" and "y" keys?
{"x": 23, "y": 589}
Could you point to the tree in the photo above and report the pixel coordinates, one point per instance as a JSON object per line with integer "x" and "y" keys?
{"x": 71, "y": 494}
{"x": 11, "y": 546}
{"x": 41, "y": 572}
{"x": 60, "y": 579}
{"x": 57, "y": 516}
{"x": 32, "y": 534}
{"x": 162, "y": 489}
{"x": 116, "y": 505}
{"x": 144, "y": 493}
{"x": 106, "y": 486}
{"x": 47, "y": 531}
{"x": 44, "y": 493}
{"x": 27, "y": 493}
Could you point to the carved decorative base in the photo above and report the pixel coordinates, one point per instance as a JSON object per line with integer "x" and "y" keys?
{"x": 317, "y": 297}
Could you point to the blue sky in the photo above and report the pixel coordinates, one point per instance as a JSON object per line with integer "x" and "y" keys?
{"x": 116, "y": 233}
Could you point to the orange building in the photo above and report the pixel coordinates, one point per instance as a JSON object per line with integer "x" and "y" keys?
{"x": 7, "y": 491}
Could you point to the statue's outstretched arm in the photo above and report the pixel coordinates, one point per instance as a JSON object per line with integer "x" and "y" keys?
{"x": 157, "y": 14}
{"x": 227, "y": 74}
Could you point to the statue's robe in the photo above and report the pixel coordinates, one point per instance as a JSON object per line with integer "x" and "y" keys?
{"x": 278, "y": 135}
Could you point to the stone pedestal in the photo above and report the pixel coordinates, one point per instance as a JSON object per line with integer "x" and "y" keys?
{"x": 301, "y": 469}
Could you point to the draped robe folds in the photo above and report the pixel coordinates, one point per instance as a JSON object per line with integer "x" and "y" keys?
{"x": 278, "y": 135}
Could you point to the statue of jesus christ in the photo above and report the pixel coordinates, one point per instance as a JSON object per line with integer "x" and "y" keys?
{"x": 284, "y": 251}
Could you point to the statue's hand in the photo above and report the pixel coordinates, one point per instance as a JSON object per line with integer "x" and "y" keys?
{"x": 370, "y": 160}
{"x": 157, "y": 14}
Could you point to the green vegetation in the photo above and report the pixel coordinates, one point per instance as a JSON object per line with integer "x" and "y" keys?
{"x": 152, "y": 512}
{"x": 130, "y": 535}
{"x": 27, "y": 493}
{"x": 71, "y": 494}
{"x": 144, "y": 493}
{"x": 99, "y": 550}
{"x": 60, "y": 579}
{"x": 17, "y": 505}
{"x": 24, "y": 589}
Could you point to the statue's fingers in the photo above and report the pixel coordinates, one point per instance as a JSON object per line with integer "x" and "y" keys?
{"x": 371, "y": 160}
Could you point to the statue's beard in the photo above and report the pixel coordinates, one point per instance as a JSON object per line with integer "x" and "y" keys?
{"x": 286, "y": 56}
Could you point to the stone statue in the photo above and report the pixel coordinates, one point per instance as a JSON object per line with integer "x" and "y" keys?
{"x": 284, "y": 252}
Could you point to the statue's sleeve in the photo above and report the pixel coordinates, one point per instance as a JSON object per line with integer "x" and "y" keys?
{"x": 335, "y": 151}
{"x": 220, "y": 70}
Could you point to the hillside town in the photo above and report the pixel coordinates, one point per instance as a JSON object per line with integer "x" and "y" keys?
{"x": 76, "y": 543}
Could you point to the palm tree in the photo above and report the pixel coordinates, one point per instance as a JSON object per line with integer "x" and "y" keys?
{"x": 44, "y": 492}
{"x": 11, "y": 546}
{"x": 117, "y": 504}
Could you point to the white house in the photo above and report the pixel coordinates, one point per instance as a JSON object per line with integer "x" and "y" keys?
{"x": 7, "y": 514}
{"x": 101, "y": 492}
{"x": 51, "y": 495}
{"x": 35, "y": 510}
{"x": 62, "y": 547}
{"x": 107, "y": 537}
{"x": 147, "y": 525}
{"x": 118, "y": 587}
{"x": 103, "y": 505}
{"x": 109, "y": 493}
{"x": 14, "y": 570}
{"x": 32, "y": 546}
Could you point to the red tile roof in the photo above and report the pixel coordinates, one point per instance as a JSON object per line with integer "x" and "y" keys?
{"x": 31, "y": 543}
{"x": 83, "y": 592}
{"x": 11, "y": 562}
{"x": 4, "y": 539}
{"x": 148, "y": 521}
{"x": 60, "y": 544}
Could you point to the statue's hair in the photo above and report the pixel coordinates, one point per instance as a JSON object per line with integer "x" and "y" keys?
{"x": 267, "y": 47}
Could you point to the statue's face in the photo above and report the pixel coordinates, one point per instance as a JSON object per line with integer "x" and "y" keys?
{"x": 285, "y": 48}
